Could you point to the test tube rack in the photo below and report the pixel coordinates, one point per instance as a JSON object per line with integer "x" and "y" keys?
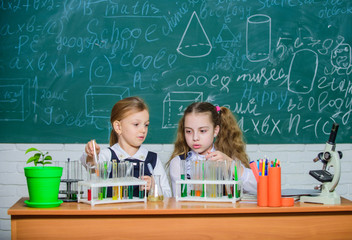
{"x": 71, "y": 194}
{"x": 83, "y": 186}
{"x": 73, "y": 176}
{"x": 205, "y": 198}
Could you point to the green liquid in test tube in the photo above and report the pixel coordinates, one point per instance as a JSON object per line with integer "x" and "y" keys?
{"x": 236, "y": 186}
{"x": 141, "y": 176}
{"x": 183, "y": 186}
{"x": 129, "y": 189}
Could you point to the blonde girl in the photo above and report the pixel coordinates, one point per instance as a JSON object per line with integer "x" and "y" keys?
{"x": 129, "y": 121}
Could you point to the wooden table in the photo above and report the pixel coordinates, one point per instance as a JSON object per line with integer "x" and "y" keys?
{"x": 182, "y": 220}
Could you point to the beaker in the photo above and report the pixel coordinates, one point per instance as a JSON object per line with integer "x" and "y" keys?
{"x": 155, "y": 192}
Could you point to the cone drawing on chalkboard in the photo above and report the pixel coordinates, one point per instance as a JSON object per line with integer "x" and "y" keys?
{"x": 194, "y": 42}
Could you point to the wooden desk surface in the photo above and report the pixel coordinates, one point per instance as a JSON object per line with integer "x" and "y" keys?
{"x": 170, "y": 206}
{"x": 182, "y": 220}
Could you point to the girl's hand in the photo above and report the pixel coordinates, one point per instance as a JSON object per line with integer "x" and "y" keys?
{"x": 149, "y": 182}
{"x": 89, "y": 149}
{"x": 217, "y": 155}
{"x": 90, "y": 152}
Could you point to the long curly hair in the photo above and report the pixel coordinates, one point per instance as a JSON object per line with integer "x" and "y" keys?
{"x": 229, "y": 139}
{"x": 122, "y": 109}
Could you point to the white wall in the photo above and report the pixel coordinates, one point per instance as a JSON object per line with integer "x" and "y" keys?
{"x": 296, "y": 161}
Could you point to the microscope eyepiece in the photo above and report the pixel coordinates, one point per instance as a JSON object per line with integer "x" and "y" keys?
{"x": 333, "y": 133}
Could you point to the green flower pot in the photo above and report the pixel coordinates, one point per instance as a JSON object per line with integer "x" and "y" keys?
{"x": 43, "y": 186}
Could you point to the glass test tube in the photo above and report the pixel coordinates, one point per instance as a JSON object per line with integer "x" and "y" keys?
{"x": 219, "y": 177}
{"x": 129, "y": 176}
{"x": 198, "y": 177}
{"x": 121, "y": 175}
{"x": 115, "y": 189}
{"x": 141, "y": 176}
{"x": 226, "y": 167}
{"x": 237, "y": 173}
{"x": 102, "y": 190}
{"x": 182, "y": 172}
{"x": 193, "y": 177}
{"x": 89, "y": 179}
{"x": 210, "y": 167}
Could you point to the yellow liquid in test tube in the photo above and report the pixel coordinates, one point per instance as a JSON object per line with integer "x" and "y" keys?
{"x": 114, "y": 176}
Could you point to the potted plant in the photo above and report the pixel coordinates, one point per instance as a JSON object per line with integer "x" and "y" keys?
{"x": 43, "y": 181}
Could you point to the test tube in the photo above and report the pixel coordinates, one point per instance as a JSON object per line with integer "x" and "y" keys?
{"x": 115, "y": 189}
{"x": 121, "y": 175}
{"x": 182, "y": 171}
{"x": 197, "y": 177}
{"x": 89, "y": 178}
{"x": 226, "y": 168}
{"x": 129, "y": 176}
{"x": 219, "y": 177}
{"x": 141, "y": 176}
{"x": 193, "y": 177}
{"x": 211, "y": 175}
{"x": 102, "y": 192}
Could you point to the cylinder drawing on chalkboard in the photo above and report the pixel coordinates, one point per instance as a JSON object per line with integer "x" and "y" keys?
{"x": 174, "y": 105}
{"x": 258, "y": 37}
{"x": 100, "y": 99}
{"x": 194, "y": 42}
{"x": 302, "y": 71}
{"x": 341, "y": 56}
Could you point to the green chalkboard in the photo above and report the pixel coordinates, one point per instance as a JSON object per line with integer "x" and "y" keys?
{"x": 282, "y": 67}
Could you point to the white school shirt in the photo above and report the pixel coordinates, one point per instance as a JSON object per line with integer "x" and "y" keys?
{"x": 141, "y": 155}
{"x": 249, "y": 183}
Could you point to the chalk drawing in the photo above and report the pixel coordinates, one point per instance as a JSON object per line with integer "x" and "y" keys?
{"x": 302, "y": 71}
{"x": 14, "y": 99}
{"x": 194, "y": 43}
{"x": 99, "y": 100}
{"x": 341, "y": 56}
{"x": 174, "y": 105}
{"x": 258, "y": 38}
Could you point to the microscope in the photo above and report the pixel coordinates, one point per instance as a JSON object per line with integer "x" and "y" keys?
{"x": 329, "y": 158}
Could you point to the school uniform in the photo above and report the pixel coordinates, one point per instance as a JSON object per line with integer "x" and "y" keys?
{"x": 116, "y": 152}
{"x": 249, "y": 183}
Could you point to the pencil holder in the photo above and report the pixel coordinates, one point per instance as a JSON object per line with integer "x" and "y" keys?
{"x": 262, "y": 191}
{"x": 274, "y": 186}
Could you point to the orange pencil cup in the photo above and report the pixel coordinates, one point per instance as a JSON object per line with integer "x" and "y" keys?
{"x": 262, "y": 191}
{"x": 274, "y": 186}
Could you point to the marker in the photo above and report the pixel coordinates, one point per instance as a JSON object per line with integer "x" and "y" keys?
{"x": 254, "y": 170}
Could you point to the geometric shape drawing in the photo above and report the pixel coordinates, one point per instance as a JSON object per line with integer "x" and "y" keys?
{"x": 194, "y": 42}
{"x": 341, "y": 56}
{"x": 302, "y": 71}
{"x": 258, "y": 38}
{"x": 175, "y": 103}
{"x": 99, "y": 100}
{"x": 14, "y": 99}
{"x": 225, "y": 35}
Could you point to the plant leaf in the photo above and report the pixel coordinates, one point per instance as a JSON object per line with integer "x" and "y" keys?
{"x": 48, "y": 158}
{"x": 31, "y": 150}
{"x": 34, "y": 158}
